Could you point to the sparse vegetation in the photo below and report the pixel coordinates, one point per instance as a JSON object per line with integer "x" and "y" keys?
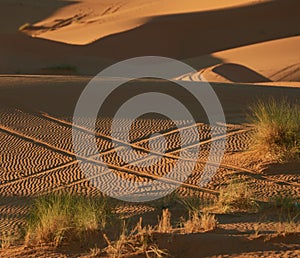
{"x": 196, "y": 203}
{"x": 256, "y": 228}
{"x": 289, "y": 225}
{"x": 95, "y": 252}
{"x": 138, "y": 241}
{"x": 288, "y": 211}
{"x": 199, "y": 222}
{"x": 236, "y": 196}
{"x": 54, "y": 218}
{"x": 164, "y": 223}
{"x": 286, "y": 203}
{"x": 191, "y": 203}
{"x": 277, "y": 129}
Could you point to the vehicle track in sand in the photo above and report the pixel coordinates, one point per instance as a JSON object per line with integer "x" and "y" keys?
{"x": 126, "y": 168}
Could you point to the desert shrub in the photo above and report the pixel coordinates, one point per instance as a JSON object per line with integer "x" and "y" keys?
{"x": 236, "y": 196}
{"x": 54, "y": 218}
{"x": 277, "y": 129}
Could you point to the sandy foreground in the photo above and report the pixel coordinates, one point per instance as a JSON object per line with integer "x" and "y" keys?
{"x": 246, "y": 49}
{"x": 38, "y": 158}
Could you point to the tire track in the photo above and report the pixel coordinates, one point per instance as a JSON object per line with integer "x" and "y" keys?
{"x": 158, "y": 177}
{"x": 133, "y": 144}
{"x": 169, "y": 154}
{"x": 96, "y": 162}
{"x": 71, "y": 154}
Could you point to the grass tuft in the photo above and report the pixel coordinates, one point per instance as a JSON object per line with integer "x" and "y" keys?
{"x": 199, "y": 222}
{"x": 138, "y": 242}
{"x": 277, "y": 129}
{"x": 54, "y": 218}
{"x": 236, "y": 197}
{"x": 289, "y": 225}
{"x": 164, "y": 223}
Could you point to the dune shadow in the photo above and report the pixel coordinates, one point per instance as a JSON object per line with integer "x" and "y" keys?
{"x": 239, "y": 73}
{"x": 199, "y": 33}
{"x": 180, "y": 36}
{"x": 203, "y": 61}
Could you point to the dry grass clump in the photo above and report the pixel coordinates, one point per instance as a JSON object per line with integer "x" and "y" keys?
{"x": 95, "y": 252}
{"x": 291, "y": 225}
{"x": 138, "y": 242}
{"x": 54, "y": 218}
{"x": 277, "y": 129}
{"x": 199, "y": 222}
{"x": 236, "y": 197}
{"x": 164, "y": 223}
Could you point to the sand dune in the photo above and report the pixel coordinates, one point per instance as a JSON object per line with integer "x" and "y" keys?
{"x": 246, "y": 49}
{"x": 89, "y": 20}
{"x": 271, "y": 61}
{"x": 277, "y": 60}
{"x": 192, "y": 33}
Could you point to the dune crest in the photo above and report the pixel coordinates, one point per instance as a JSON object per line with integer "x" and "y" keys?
{"x": 86, "y": 21}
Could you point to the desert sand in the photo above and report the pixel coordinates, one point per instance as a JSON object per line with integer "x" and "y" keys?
{"x": 246, "y": 49}
{"x": 186, "y": 31}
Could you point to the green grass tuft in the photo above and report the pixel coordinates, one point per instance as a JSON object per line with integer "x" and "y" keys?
{"x": 237, "y": 196}
{"x": 277, "y": 125}
{"x": 54, "y": 218}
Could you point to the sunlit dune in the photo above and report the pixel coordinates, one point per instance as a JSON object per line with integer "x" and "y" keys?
{"x": 88, "y": 20}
